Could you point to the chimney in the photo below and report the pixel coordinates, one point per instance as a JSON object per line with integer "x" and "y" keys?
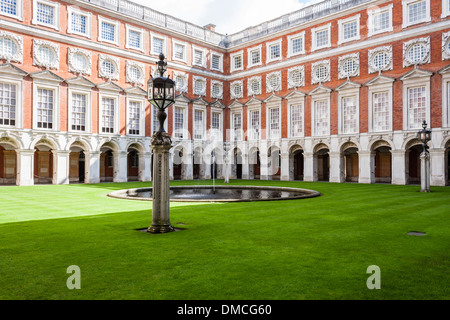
{"x": 210, "y": 27}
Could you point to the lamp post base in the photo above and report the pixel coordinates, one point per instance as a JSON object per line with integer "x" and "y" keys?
{"x": 161, "y": 229}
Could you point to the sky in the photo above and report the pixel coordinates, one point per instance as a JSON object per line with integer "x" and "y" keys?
{"x": 229, "y": 16}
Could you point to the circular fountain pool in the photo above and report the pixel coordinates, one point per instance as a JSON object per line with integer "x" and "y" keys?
{"x": 219, "y": 193}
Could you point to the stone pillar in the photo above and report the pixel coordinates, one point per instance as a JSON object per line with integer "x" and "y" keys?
{"x": 61, "y": 166}
{"x": 145, "y": 166}
{"x": 398, "y": 167}
{"x": 245, "y": 167}
{"x": 92, "y": 162}
{"x": 310, "y": 167}
{"x": 425, "y": 172}
{"x": 120, "y": 166}
{"x": 336, "y": 167}
{"x": 188, "y": 167}
{"x": 366, "y": 167}
{"x": 264, "y": 163}
{"x": 161, "y": 145}
{"x": 25, "y": 165}
{"x": 285, "y": 167}
{"x": 437, "y": 167}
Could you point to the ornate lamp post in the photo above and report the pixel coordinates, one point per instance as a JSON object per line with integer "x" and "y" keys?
{"x": 424, "y": 136}
{"x": 226, "y": 148}
{"x": 161, "y": 94}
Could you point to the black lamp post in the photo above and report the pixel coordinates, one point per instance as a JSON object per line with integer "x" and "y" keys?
{"x": 424, "y": 136}
{"x": 161, "y": 94}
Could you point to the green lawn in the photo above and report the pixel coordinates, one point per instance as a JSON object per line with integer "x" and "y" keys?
{"x": 317, "y": 248}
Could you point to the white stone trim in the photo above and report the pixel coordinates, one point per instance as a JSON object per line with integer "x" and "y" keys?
{"x": 373, "y": 52}
{"x": 405, "y": 4}
{"x": 445, "y": 9}
{"x": 138, "y": 65}
{"x": 116, "y": 25}
{"x": 116, "y": 97}
{"x": 345, "y": 93}
{"x": 269, "y": 87}
{"x": 250, "y": 81}
{"x": 314, "y": 66}
{"x": 164, "y": 46}
{"x": 185, "y": 76}
{"x": 88, "y": 117}
{"x": 371, "y": 15}
{"x": 291, "y": 82}
{"x": 204, "y": 52}
{"x": 220, "y": 55}
{"x": 49, "y": 85}
{"x": 341, "y": 65}
{"x": 202, "y": 91}
{"x": 142, "y": 41}
{"x": 18, "y": 41}
{"x": 278, "y": 42}
{"x": 19, "y": 11}
{"x": 55, "y": 6}
{"x": 142, "y": 101}
{"x": 446, "y": 45}
{"x": 380, "y": 88}
{"x": 294, "y": 37}
{"x": 417, "y": 81}
{"x": 18, "y": 82}
{"x": 232, "y": 64}
{"x": 249, "y": 56}
{"x": 115, "y": 61}
{"x": 341, "y": 23}
{"x": 409, "y": 44}
{"x": 314, "y": 40}
{"x": 233, "y": 85}
{"x": 72, "y": 66}
{"x": 218, "y": 95}
{"x": 54, "y": 64}
{"x": 88, "y": 15}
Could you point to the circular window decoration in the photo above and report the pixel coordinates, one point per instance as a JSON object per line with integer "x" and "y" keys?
{"x": 296, "y": 77}
{"x": 350, "y": 67}
{"x": 179, "y": 81}
{"x": 135, "y": 73}
{"x": 80, "y": 61}
{"x": 8, "y": 47}
{"x": 108, "y": 68}
{"x": 381, "y": 60}
{"x": 417, "y": 53}
{"x": 217, "y": 90}
{"x": 321, "y": 72}
{"x": 255, "y": 87}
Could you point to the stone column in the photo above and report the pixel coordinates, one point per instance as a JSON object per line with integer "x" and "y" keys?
{"x": 424, "y": 172}
{"x": 285, "y": 167}
{"x": 336, "y": 167}
{"x": 310, "y": 167}
{"x": 161, "y": 145}
{"x": 92, "y": 162}
{"x": 61, "y": 167}
{"x": 245, "y": 167}
{"x": 264, "y": 171}
{"x": 366, "y": 166}
{"x": 398, "y": 167}
{"x": 145, "y": 165}
{"x": 25, "y": 166}
{"x": 437, "y": 167}
{"x": 120, "y": 166}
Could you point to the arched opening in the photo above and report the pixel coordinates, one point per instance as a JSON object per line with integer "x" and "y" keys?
{"x": 133, "y": 165}
{"x": 322, "y": 159}
{"x": 296, "y": 163}
{"x": 43, "y": 163}
{"x": 274, "y": 163}
{"x": 351, "y": 164}
{"x": 383, "y": 165}
{"x": 196, "y": 163}
{"x": 413, "y": 164}
{"x": 77, "y": 164}
{"x": 237, "y": 154}
{"x": 107, "y": 163}
{"x": 254, "y": 164}
{"x": 8, "y": 164}
{"x": 177, "y": 164}
{"x": 214, "y": 160}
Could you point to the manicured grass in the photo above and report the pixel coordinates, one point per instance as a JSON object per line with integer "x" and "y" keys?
{"x": 317, "y": 248}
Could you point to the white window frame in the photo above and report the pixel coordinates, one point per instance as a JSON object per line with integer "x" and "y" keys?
{"x": 341, "y": 24}
{"x": 269, "y": 45}
{"x": 412, "y": 83}
{"x": 204, "y": 52}
{"x": 77, "y": 11}
{"x": 249, "y": 56}
{"x": 346, "y": 94}
{"x": 116, "y": 25}
{"x": 250, "y": 134}
{"x": 141, "y": 41}
{"x": 380, "y": 88}
{"x": 446, "y": 100}
{"x": 406, "y": 4}
{"x": 445, "y": 8}
{"x": 213, "y": 134}
{"x": 233, "y": 133}
{"x": 164, "y": 45}
{"x": 116, "y": 97}
{"x": 17, "y": 81}
{"x": 19, "y": 11}
{"x": 314, "y": 32}
{"x": 42, "y": 84}
{"x": 185, "y": 130}
{"x": 290, "y": 39}
{"x": 296, "y": 102}
{"x": 371, "y": 16}
{"x": 316, "y": 98}
{"x": 115, "y": 61}
{"x": 232, "y": 62}
{"x": 55, "y": 6}
{"x": 220, "y": 55}
{"x": 88, "y": 117}
{"x": 194, "y": 125}
{"x": 269, "y": 108}
{"x": 176, "y": 42}
{"x": 142, "y": 102}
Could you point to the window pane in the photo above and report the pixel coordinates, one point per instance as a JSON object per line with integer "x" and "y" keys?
{"x": 45, "y": 13}
{"x": 134, "y": 39}
{"x": 322, "y": 38}
{"x": 7, "y": 104}
{"x": 254, "y": 123}
{"x": 215, "y": 61}
{"x": 349, "y": 115}
{"x": 179, "y": 122}
{"x": 417, "y": 11}
{"x": 108, "y": 31}
{"x": 45, "y": 109}
{"x": 179, "y": 51}
{"x": 296, "y": 120}
{"x": 274, "y": 123}
{"x": 237, "y": 126}
{"x": 381, "y": 113}
{"x": 134, "y": 116}
{"x": 158, "y": 45}
{"x": 79, "y": 105}
{"x": 297, "y": 45}
{"x": 381, "y": 21}
{"x": 350, "y": 30}
{"x": 8, "y": 6}
{"x": 107, "y": 116}
{"x": 78, "y": 23}
{"x": 275, "y": 51}
{"x": 198, "y": 124}
{"x": 321, "y": 118}
{"x": 417, "y": 106}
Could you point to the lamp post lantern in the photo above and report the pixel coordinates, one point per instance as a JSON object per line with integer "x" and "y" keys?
{"x": 161, "y": 94}
{"x": 424, "y": 136}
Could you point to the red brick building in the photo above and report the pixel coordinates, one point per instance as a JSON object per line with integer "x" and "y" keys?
{"x": 335, "y": 92}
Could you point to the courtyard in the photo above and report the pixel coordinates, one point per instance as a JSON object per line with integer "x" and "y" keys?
{"x": 318, "y": 248}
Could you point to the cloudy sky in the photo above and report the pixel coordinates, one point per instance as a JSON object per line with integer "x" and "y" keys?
{"x": 229, "y": 16}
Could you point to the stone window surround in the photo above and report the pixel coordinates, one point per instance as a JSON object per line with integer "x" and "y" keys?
{"x": 88, "y": 15}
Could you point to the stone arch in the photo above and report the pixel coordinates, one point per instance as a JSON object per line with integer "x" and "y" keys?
{"x": 350, "y": 161}
{"x": 47, "y": 141}
{"x": 254, "y": 163}
{"x": 198, "y": 167}
{"x": 296, "y": 162}
{"x": 178, "y": 154}
{"x": 413, "y": 148}
{"x": 381, "y": 161}
{"x": 8, "y": 160}
{"x": 237, "y": 163}
{"x": 321, "y": 162}
{"x": 274, "y": 163}
{"x": 135, "y": 163}
{"x": 44, "y": 163}
{"x": 380, "y": 143}
{"x": 108, "y": 160}
{"x": 78, "y": 165}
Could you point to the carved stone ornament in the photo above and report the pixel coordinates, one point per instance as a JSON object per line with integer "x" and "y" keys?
{"x": 17, "y": 51}
{"x": 273, "y": 81}
{"x": 236, "y": 89}
{"x": 199, "y": 85}
{"x": 296, "y": 77}
{"x": 318, "y": 66}
{"x": 412, "y": 45}
{"x": 40, "y": 47}
{"x": 216, "y": 89}
{"x": 75, "y": 56}
{"x": 251, "y": 91}
{"x": 446, "y": 45}
{"x": 161, "y": 139}
{"x": 344, "y": 61}
{"x": 181, "y": 81}
{"x": 108, "y": 74}
{"x": 376, "y": 54}
{"x": 135, "y": 73}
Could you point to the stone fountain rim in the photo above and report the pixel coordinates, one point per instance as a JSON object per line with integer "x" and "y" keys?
{"x": 306, "y": 193}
